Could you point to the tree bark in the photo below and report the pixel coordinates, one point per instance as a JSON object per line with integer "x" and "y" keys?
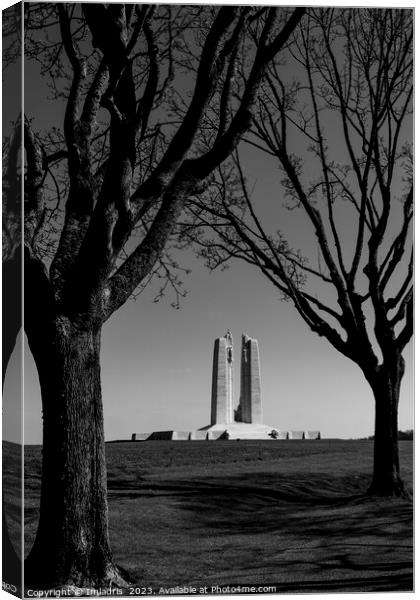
{"x": 386, "y": 479}
{"x": 72, "y": 545}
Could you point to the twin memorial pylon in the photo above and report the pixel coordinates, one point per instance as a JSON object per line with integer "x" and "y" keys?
{"x": 226, "y": 422}
{"x": 250, "y": 401}
{"x": 246, "y": 421}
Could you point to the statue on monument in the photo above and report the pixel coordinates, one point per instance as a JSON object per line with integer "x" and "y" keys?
{"x": 229, "y": 340}
{"x": 238, "y": 414}
{"x": 245, "y": 352}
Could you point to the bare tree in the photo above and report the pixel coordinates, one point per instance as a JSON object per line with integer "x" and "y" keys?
{"x": 103, "y": 194}
{"x": 350, "y": 99}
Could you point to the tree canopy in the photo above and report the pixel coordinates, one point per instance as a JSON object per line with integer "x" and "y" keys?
{"x": 335, "y": 115}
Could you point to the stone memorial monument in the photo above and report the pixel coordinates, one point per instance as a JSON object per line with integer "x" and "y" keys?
{"x": 246, "y": 422}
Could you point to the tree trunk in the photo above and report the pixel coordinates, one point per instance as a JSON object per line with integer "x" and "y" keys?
{"x": 386, "y": 479}
{"x": 72, "y": 545}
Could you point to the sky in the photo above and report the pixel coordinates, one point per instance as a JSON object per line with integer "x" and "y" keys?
{"x": 157, "y": 361}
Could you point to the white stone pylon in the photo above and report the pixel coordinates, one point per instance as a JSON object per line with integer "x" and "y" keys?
{"x": 250, "y": 402}
{"x": 222, "y": 382}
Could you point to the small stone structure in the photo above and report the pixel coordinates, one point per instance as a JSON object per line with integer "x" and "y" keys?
{"x": 244, "y": 423}
{"x": 296, "y": 435}
{"x": 312, "y": 435}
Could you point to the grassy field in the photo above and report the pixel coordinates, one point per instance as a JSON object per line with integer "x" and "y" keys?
{"x": 290, "y": 514}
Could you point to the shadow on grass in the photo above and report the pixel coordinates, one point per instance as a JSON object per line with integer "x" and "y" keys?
{"x": 303, "y": 489}
{"x": 387, "y": 583}
{"x": 216, "y": 500}
{"x": 303, "y": 530}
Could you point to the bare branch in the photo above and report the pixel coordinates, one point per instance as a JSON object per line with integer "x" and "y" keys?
{"x": 78, "y": 67}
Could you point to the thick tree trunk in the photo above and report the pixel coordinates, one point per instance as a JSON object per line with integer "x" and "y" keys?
{"x": 72, "y": 545}
{"x": 386, "y": 479}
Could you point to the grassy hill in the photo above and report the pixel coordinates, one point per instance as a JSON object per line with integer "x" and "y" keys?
{"x": 290, "y": 514}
